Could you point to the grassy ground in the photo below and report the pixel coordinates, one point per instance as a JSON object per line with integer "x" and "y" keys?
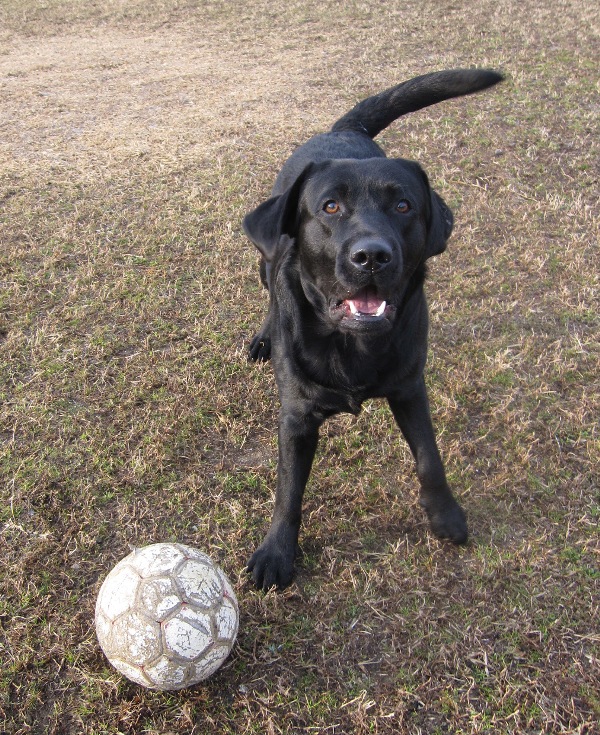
{"x": 133, "y": 138}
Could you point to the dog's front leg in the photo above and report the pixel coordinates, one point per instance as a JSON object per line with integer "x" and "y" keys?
{"x": 446, "y": 517}
{"x": 260, "y": 346}
{"x": 272, "y": 564}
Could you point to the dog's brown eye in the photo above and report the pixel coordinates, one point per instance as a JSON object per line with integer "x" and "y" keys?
{"x": 331, "y": 207}
{"x": 403, "y": 206}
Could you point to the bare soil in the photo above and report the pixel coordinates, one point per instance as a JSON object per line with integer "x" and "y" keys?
{"x": 133, "y": 138}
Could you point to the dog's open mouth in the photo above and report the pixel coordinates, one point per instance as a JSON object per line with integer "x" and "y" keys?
{"x": 365, "y": 303}
{"x": 365, "y": 307}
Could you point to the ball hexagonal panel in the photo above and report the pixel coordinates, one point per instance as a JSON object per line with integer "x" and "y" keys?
{"x": 158, "y": 597}
{"x": 188, "y": 633}
{"x": 200, "y": 583}
{"x": 209, "y": 663}
{"x": 156, "y": 559}
{"x": 226, "y": 618}
{"x": 134, "y": 673}
{"x": 136, "y": 638}
{"x": 117, "y": 594}
{"x": 168, "y": 674}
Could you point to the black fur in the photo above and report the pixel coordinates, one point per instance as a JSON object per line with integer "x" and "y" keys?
{"x": 344, "y": 240}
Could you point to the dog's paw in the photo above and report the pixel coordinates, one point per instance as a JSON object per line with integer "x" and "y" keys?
{"x": 260, "y": 348}
{"x": 447, "y": 520}
{"x": 271, "y": 566}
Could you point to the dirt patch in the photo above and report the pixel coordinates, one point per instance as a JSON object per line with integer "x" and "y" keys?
{"x": 133, "y": 138}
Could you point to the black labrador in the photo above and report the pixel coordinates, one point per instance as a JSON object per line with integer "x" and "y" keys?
{"x": 344, "y": 240}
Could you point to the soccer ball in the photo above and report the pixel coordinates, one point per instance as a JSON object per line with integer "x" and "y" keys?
{"x": 166, "y": 616}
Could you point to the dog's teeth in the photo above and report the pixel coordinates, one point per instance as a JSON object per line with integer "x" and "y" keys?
{"x": 357, "y": 312}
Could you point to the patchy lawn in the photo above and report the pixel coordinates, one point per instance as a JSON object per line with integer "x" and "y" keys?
{"x": 134, "y": 136}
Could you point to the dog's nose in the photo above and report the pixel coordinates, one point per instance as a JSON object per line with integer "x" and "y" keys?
{"x": 370, "y": 255}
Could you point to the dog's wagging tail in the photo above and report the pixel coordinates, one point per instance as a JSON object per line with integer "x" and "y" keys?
{"x": 344, "y": 237}
{"x": 376, "y": 113}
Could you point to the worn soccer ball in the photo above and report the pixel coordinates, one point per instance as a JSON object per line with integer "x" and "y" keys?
{"x": 166, "y": 616}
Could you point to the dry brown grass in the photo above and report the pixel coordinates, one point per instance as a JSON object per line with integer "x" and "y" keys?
{"x": 133, "y": 138}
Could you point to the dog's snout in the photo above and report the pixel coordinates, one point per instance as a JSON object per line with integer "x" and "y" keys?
{"x": 370, "y": 255}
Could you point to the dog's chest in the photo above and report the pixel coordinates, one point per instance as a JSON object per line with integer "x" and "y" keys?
{"x": 340, "y": 377}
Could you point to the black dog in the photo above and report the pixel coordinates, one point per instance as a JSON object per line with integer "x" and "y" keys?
{"x": 344, "y": 239}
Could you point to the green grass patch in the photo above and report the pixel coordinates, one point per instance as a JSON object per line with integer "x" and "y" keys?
{"x": 135, "y": 136}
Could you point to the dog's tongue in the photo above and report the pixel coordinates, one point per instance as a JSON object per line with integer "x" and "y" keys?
{"x": 367, "y": 303}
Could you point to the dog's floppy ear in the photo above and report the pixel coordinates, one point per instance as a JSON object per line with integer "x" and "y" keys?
{"x": 439, "y": 217}
{"x": 275, "y": 217}
{"x": 441, "y": 222}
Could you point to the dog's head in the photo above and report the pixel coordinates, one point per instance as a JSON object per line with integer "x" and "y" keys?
{"x": 362, "y": 230}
